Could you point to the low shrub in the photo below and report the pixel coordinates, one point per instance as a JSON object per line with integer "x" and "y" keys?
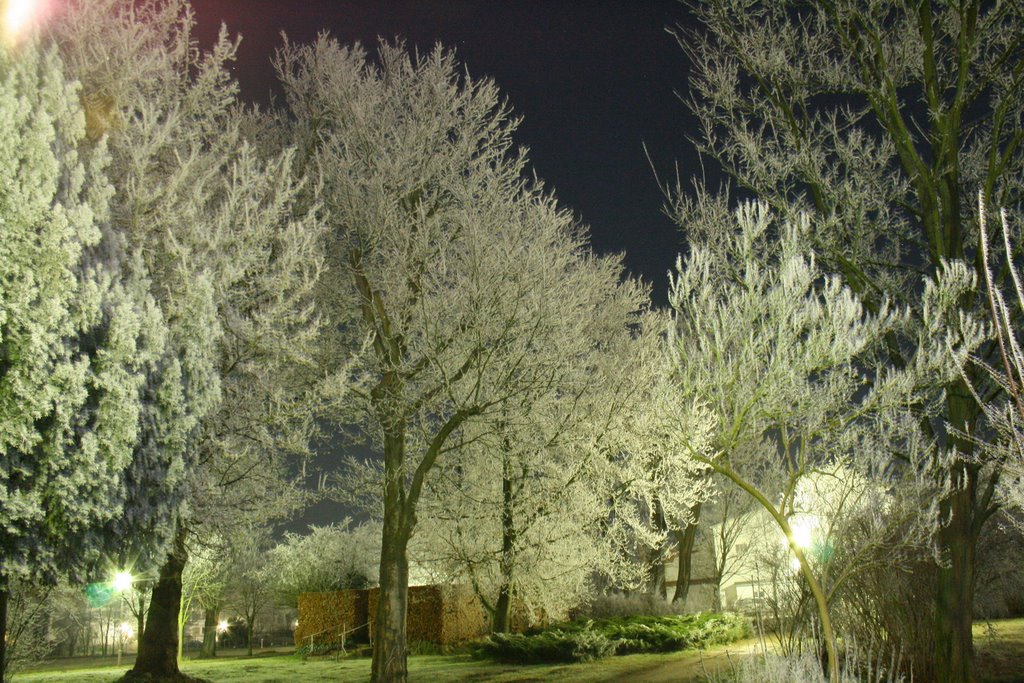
{"x": 546, "y": 647}
{"x": 585, "y": 640}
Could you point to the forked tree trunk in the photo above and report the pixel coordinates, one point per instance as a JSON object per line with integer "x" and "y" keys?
{"x": 158, "y": 646}
{"x": 211, "y": 616}
{"x": 684, "y": 540}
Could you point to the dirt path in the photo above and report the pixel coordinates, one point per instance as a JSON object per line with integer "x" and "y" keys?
{"x": 698, "y": 666}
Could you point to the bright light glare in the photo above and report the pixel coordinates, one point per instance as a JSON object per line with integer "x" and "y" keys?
{"x": 19, "y": 15}
{"x": 222, "y": 626}
{"x": 122, "y": 581}
{"x": 803, "y": 532}
{"x": 126, "y": 630}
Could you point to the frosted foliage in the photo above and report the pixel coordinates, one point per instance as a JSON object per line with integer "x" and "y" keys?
{"x": 1005, "y": 410}
{"x": 326, "y": 558}
{"x": 805, "y": 667}
{"x": 788, "y": 363}
{"x": 71, "y": 356}
{"x": 461, "y": 280}
{"x": 212, "y": 224}
{"x": 884, "y": 118}
{"x": 525, "y": 508}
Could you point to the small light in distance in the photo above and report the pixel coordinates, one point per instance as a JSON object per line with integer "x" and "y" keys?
{"x": 222, "y": 626}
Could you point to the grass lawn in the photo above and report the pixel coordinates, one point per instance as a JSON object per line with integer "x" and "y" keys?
{"x": 285, "y": 668}
{"x": 1000, "y": 660}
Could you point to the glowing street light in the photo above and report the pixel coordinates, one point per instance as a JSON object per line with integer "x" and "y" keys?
{"x": 803, "y": 532}
{"x": 222, "y": 626}
{"x": 20, "y": 15}
{"x": 122, "y": 581}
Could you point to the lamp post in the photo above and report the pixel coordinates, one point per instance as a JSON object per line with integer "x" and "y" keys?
{"x": 121, "y": 583}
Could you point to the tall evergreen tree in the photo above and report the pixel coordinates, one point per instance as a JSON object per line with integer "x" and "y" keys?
{"x": 76, "y": 347}
{"x": 210, "y": 222}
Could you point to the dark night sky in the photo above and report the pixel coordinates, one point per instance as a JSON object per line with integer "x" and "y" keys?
{"x": 593, "y": 79}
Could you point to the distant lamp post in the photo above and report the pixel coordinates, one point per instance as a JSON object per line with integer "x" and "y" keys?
{"x": 122, "y": 583}
{"x": 222, "y": 628}
{"x": 125, "y": 633}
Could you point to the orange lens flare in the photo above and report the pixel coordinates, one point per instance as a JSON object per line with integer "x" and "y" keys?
{"x": 20, "y": 16}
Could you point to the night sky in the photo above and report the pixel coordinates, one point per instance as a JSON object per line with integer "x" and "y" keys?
{"x": 594, "y": 81}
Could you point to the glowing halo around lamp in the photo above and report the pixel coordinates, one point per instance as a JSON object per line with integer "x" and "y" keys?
{"x": 122, "y": 581}
{"x": 803, "y": 534}
{"x": 20, "y": 16}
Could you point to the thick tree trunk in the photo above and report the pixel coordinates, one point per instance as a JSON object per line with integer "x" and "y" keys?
{"x": 211, "y": 616}
{"x": 390, "y": 648}
{"x": 390, "y": 652}
{"x": 158, "y": 646}
{"x": 5, "y": 597}
{"x": 503, "y": 607}
{"x": 954, "y": 600}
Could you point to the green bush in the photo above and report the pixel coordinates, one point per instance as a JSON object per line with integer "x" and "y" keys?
{"x": 586, "y": 640}
{"x": 548, "y": 646}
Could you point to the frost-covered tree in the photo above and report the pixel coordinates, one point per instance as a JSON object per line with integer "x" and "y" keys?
{"x": 1000, "y": 253}
{"x": 520, "y": 514}
{"x": 204, "y": 583}
{"x": 660, "y": 487}
{"x": 250, "y": 587}
{"x": 211, "y": 224}
{"x": 76, "y": 347}
{"x": 446, "y": 262}
{"x": 327, "y": 558}
{"x": 784, "y": 356}
{"x": 885, "y": 119}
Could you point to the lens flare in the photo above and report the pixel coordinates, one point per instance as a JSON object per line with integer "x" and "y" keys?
{"x": 20, "y": 16}
{"x": 122, "y": 581}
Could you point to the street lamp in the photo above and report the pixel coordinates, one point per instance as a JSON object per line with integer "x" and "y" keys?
{"x": 19, "y": 15}
{"x": 121, "y": 583}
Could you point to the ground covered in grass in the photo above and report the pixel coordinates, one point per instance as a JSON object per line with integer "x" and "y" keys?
{"x": 1000, "y": 660}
